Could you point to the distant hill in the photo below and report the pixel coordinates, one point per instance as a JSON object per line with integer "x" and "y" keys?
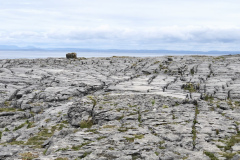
{"x": 32, "y": 48}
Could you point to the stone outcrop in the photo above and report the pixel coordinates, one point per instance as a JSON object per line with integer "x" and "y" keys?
{"x": 181, "y": 107}
{"x": 71, "y": 55}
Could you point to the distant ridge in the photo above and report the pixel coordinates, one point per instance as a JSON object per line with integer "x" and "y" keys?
{"x": 32, "y": 48}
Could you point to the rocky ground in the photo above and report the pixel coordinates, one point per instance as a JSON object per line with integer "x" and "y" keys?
{"x": 125, "y": 108}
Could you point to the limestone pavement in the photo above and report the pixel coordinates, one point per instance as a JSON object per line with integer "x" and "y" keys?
{"x": 154, "y": 108}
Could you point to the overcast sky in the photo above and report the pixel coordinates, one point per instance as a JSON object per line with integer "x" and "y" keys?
{"x": 122, "y": 24}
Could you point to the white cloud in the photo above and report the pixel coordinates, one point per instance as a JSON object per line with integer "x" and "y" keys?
{"x": 117, "y": 24}
{"x": 139, "y": 36}
{"x": 167, "y": 34}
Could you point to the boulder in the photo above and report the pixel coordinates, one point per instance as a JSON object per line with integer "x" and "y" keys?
{"x": 224, "y": 106}
{"x": 71, "y": 55}
{"x": 77, "y": 114}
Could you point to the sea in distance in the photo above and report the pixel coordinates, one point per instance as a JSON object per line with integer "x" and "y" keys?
{"x": 60, "y": 54}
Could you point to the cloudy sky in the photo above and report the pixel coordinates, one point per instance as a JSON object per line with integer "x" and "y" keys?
{"x": 122, "y": 24}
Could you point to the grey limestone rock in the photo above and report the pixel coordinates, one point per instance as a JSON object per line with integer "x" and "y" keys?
{"x": 9, "y": 136}
{"x": 170, "y": 107}
{"x": 224, "y": 106}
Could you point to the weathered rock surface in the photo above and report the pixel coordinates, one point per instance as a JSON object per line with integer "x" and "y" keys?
{"x": 161, "y": 108}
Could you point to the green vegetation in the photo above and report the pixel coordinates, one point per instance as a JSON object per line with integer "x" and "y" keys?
{"x": 208, "y": 98}
{"x": 120, "y": 118}
{"x": 173, "y": 117}
{"x": 36, "y": 104}
{"x": 136, "y": 156}
{"x": 63, "y": 149}
{"x": 129, "y": 139}
{"x": 189, "y": 87}
{"x": 131, "y": 106}
{"x": 81, "y": 58}
{"x": 92, "y": 130}
{"x": 9, "y": 110}
{"x": 164, "y": 106}
{"x": 36, "y": 141}
{"x": 192, "y": 71}
{"x": 28, "y": 156}
{"x": 39, "y": 139}
{"x": 109, "y": 126}
{"x": 86, "y": 124}
{"x": 61, "y": 126}
{"x": 19, "y": 127}
{"x": 59, "y": 114}
{"x": 0, "y": 135}
{"x": 32, "y": 113}
{"x": 89, "y": 123}
{"x": 123, "y": 129}
{"x": 94, "y": 101}
{"x": 136, "y": 136}
{"x": 237, "y": 103}
{"x": 162, "y": 67}
{"x": 139, "y": 136}
{"x": 7, "y": 103}
{"x": 232, "y": 141}
{"x": 29, "y": 125}
{"x": 160, "y": 145}
{"x": 194, "y": 131}
{"x": 228, "y": 155}
{"x": 47, "y": 120}
{"x": 230, "y": 103}
{"x": 85, "y": 154}
{"x": 65, "y": 122}
{"x": 53, "y": 128}
{"x": 210, "y": 155}
{"x": 177, "y": 153}
{"x": 69, "y": 98}
{"x": 111, "y": 148}
{"x": 121, "y": 57}
{"x": 14, "y": 142}
{"x": 45, "y": 151}
{"x": 219, "y": 58}
{"x": 76, "y": 148}
{"x": 134, "y": 65}
{"x": 237, "y": 123}
{"x": 60, "y": 158}
{"x": 153, "y": 102}
{"x": 139, "y": 116}
{"x": 101, "y": 137}
{"x": 119, "y": 109}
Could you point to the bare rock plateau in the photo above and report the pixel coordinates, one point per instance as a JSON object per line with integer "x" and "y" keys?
{"x": 123, "y": 108}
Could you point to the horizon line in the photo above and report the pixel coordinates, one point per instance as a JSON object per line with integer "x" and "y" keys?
{"x": 107, "y": 50}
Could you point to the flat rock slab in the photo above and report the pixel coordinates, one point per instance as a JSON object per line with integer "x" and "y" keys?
{"x": 182, "y": 107}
